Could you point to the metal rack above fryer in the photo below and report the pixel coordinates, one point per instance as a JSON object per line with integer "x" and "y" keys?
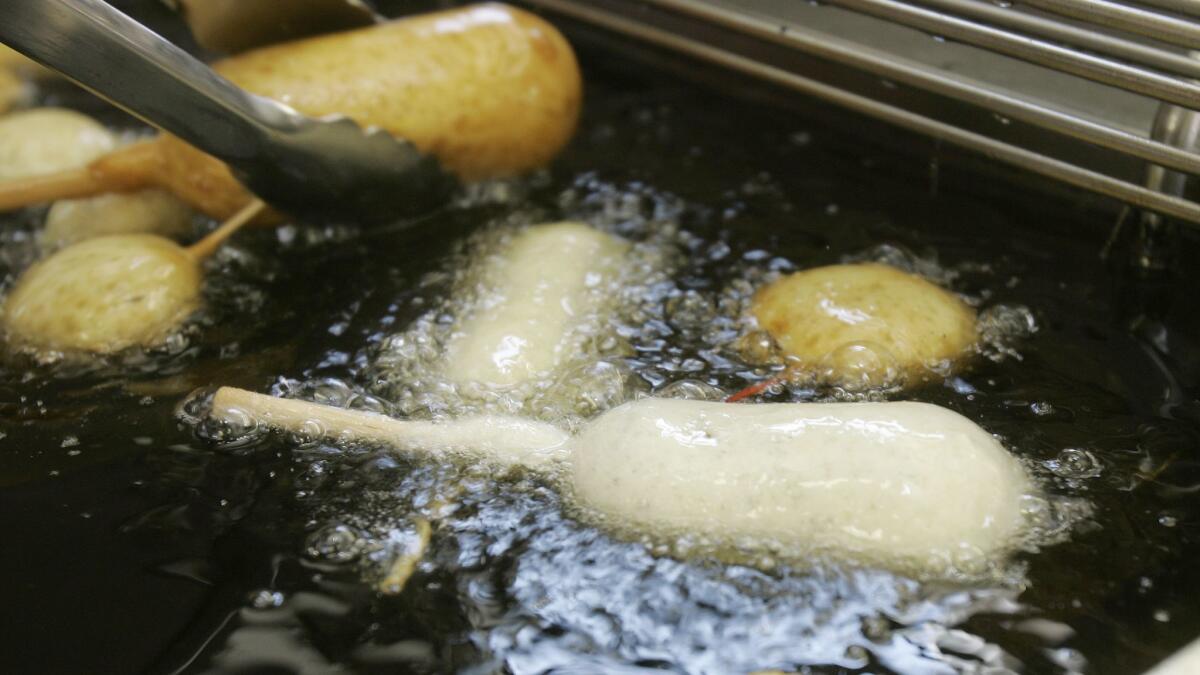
{"x": 1110, "y": 90}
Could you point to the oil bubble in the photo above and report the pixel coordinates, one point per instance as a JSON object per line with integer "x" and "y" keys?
{"x": 692, "y": 390}
{"x": 334, "y": 544}
{"x": 757, "y": 346}
{"x": 902, "y": 258}
{"x": 266, "y": 599}
{"x": 1070, "y": 660}
{"x": 1051, "y": 518}
{"x": 1008, "y": 320}
{"x": 328, "y": 391}
{"x": 690, "y": 308}
{"x": 1001, "y": 327}
{"x": 309, "y": 432}
{"x": 1076, "y": 464}
{"x": 235, "y": 429}
{"x": 369, "y": 403}
{"x": 592, "y": 388}
{"x": 315, "y": 475}
{"x": 860, "y": 365}
{"x": 195, "y": 407}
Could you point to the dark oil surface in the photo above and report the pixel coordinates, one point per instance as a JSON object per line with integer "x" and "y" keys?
{"x": 133, "y": 545}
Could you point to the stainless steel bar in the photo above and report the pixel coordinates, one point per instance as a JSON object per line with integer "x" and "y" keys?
{"x": 998, "y": 150}
{"x": 1101, "y": 43}
{"x": 1189, "y": 7}
{"x": 1098, "y": 69}
{"x": 934, "y": 80}
{"x": 1125, "y": 17}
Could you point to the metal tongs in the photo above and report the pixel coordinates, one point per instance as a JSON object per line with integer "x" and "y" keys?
{"x": 232, "y": 26}
{"x": 328, "y": 170}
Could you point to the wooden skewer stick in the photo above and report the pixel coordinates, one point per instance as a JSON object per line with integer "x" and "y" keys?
{"x": 403, "y": 567}
{"x": 69, "y": 184}
{"x": 126, "y": 169}
{"x": 207, "y": 246}
{"x": 510, "y": 440}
